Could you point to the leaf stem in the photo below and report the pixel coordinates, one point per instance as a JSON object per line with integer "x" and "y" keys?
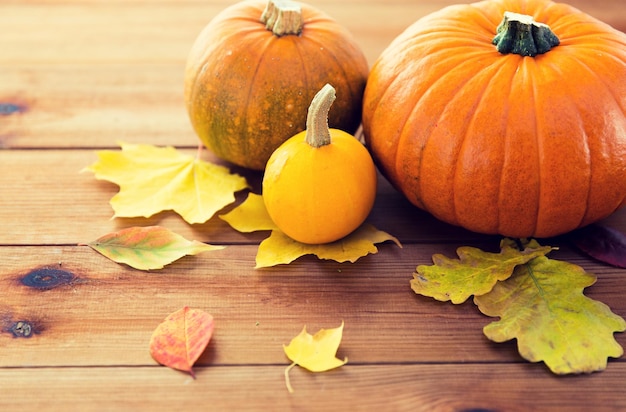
{"x": 287, "y": 380}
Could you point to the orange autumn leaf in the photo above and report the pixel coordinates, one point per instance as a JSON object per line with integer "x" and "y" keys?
{"x": 147, "y": 248}
{"x": 181, "y": 338}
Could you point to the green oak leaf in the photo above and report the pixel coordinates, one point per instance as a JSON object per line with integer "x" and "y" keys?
{"x": 542, "y": 305}
{"x": 474, "y": 273}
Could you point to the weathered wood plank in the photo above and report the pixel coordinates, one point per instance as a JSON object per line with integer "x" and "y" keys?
{"x": 104, "y": 314}
{"x": 42, "y": 191}
{"x": 107, "y": 314}
{"x": 69, "y": 106}
{"x": 106, "y": 75}
{"x": 415, "y": 388}
{"x": 99, "y": 31}
{"x": 83, "y": 74}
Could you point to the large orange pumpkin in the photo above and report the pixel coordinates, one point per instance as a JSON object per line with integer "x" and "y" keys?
{"x": 490, "y": 133}
{"x": 254, "y": 69}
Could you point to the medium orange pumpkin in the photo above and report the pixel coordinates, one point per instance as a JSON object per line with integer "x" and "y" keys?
{"x": 514, "y": 136}
{"x": 254, "y": 69}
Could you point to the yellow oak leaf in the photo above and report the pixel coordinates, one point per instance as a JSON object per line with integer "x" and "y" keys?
{"x": 542, "y": 305}
{"x": 278, "y": 248}
{"x": 316, "y": 353}
{"x": 154, "y": 179}
{"x": 474, "y": 273}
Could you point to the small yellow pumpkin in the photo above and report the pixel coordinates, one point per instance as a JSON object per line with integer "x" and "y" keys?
{"x": 319, "y": 185}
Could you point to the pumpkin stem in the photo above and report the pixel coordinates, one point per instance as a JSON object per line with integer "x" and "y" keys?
{"x": 521, "y": 34}
{"x": 317, "y": 132}
{"x": 282, "y": 17}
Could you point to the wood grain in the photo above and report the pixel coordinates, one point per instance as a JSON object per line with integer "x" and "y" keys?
{"x": 419, "y": 388}
{"x": 77, "y": 76}
{"x": 107, "y": 312}
{"x": 109, "y": 71}
{"x": 45, "y": 188}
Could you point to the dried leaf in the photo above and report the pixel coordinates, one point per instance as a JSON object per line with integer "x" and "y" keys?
{"x": 154, "y": 179}
{"x": 281, "y": 249}
{"x": 250, "y": 216}
{"x": 147, "y": 248}
{"x": 542, "y": 306}
{"x": 316, "y": 353}
{"x": 181, "y": 338}
{"x": 474, "y": 273}
{"x": 602, "y": 243}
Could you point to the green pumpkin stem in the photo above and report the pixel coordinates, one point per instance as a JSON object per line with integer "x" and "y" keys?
{"x": 317, "y": 131}
{"x": 521, "y": 34}
{"x": 282, "y": 17}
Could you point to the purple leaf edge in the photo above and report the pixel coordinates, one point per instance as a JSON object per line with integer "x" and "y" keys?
{"x": 602, "y": 243}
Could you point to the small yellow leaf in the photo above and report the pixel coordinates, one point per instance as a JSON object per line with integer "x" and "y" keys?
{"x": 316, "y": 353}
{"x": 154, "y": 179}
{"x": 250, "y": 216}
{"x": 281, "y": 249}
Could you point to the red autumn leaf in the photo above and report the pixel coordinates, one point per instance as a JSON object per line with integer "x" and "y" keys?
{"x": 181, "y": 338}
{"x": 602, "y": 243}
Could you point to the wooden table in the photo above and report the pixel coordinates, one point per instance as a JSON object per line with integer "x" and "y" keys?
{"x": 77, "y": 76}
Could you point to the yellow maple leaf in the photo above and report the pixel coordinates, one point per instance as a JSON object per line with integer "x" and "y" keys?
{"x": 279, "y": 248}
{"x": 154, "y": 179}
{"x": 316, "y": 353}
{"x": 250, "y": 216}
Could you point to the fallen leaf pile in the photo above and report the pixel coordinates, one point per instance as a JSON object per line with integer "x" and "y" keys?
{"x": 539, "y": 301}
